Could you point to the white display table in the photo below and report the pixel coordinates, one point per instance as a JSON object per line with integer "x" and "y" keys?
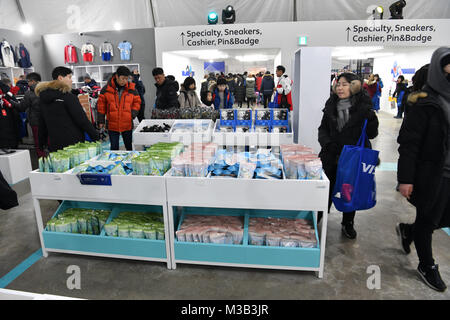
{"x": 16, "y": 167}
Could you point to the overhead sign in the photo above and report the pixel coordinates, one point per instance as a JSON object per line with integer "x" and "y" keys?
{"x": 237, "y": 36}
{"x": 387, "y": 33}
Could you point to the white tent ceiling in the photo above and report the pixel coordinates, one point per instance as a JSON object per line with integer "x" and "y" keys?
{"x": 64, "y": 16}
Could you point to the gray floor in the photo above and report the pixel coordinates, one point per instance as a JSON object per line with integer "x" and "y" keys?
{"x": 346, "y": 261}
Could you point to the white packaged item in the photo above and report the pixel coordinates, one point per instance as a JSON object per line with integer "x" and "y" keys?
{"x": 313, "y": 169}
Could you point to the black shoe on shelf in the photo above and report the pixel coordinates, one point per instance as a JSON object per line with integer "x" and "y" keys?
{"x": 404, "y": 241}
{"x": 349, "y": 231}
{"x": 432, "y": 278}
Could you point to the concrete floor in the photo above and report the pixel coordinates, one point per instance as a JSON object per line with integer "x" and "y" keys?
{"x": 346, "y": 261}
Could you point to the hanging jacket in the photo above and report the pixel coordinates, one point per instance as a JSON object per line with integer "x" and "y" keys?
{"x": 62, "y": 121}
{"x": 106, "y": 51}
{"x": 88, "y": 52}
{"x": 119, "y": 112}
{"x": 24, "y": 57}
{"x": 70, "y": 54}
{"x": 7, "y": 54}
{"x": 284, "y": 89}
{"x": 228, "y": 103}
{"x": 9, "y": 124}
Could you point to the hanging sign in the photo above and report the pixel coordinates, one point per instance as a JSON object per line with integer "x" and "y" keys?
{"x": 238, "y": 36}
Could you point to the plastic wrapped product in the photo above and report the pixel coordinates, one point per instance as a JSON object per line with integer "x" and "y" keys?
{"x": 178, "y": 168}
{"x": 51, "y": 225}
{"x": 181, "y": 236}
{"x": 226, "y": 129}
{"x": 227, "y": 114}
{"x": 111, "y": 229}
{"x": 263, "y": 115}
{"x": 161, "y": 235}
{"x": 280, "y": 129}
{"x": 273, "y": 240}
{"x": 313, "y": 170}
{"x": 82, "y": 225}
{"x": 301, "y": 170}
{"x": 256, "y": 238}
{"x": 218, "y": 237}
{"x": 291, "y": 168}
{"x": 137, "y": 233}
{"x": 244, "y": 115}
{"x": 280, "y": 114}
{"x": 247, "y": 170}
{"x": 243, "y": 129}
{"x": 118, "y": 170}
{"x": 288, "y": 242}
{"x": 262, "y": 129}
{"x": 123, "y": 230}
{"x": 149, "y": 233}
{"x": 206, "y": 237}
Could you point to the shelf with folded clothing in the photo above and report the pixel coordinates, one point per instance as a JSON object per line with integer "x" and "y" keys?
{"x": 13, "y": 73}
{"x": 100, "y": 73}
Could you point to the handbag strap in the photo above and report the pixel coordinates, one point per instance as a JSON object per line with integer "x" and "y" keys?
{"x": 362, "y": 140}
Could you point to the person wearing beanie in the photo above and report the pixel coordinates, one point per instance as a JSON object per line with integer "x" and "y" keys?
{"x": 424, "y": 166}
{"x": 343, "y": 119}
{"x": 222, "y": 97}
{"x": 188, "y": 95}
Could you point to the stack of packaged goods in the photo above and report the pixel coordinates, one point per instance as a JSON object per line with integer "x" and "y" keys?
{"x": 262, "y": 164}
{"x": 118, "y": 156}
{"x": 195, "y": 160}
{"x": 301, "y": 163}
{"x": 70, "y": 157}
{"x": 211, "y": 229}
{"x": 137, "y": 225}
{"x": 279, "y": 232}
{"x": 157, "y": 160}
{"x": 116, "y": 169}
{"x": 81, "y": 221}
{"x": 190, "y": 127}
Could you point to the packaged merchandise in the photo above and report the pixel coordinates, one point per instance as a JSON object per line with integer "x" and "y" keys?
{"x": 246, "y": 170}
{"x": 227, "y": 114}
{"x": 280, "y": 129}
{"x": 79, "y": 220}
{"x": 280, "y": 114}
{"x": 282, "y": 232}
{"x": 211, "y": 229}
{"x": 226, "y": 129}
{"x": 244, "y": 115}
{"x": 313, "y": 169}
{"x": 164, "y": 128}
{"x": 242, "y": 129}
{"x": 262, "y": 129}
{"x": 137, "y": 225}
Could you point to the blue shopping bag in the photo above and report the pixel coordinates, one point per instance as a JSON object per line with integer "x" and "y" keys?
{"x": 274, "y": 104}
{"x": 355, "y": 188}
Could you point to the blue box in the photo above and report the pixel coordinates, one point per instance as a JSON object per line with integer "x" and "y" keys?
{"x": 247, "y": 123}
{"x": 226, "y": 121}
{"x": 94, "y": 179}
{"x": 267, "y": 117}
{"x": 275, "y": 122}
{"x": 102, "y": 244}
{"x": 247, "y": 254}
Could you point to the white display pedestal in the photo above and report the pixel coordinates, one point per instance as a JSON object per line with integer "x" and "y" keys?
{"x": 16, "y": 167}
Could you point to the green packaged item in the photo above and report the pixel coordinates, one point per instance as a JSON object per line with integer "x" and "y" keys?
{"x": 160, "y": 234}
{"x": 118, "y": 170}
{"x": 150, "y": 233}
{"x": 82, "y": 225}
{"x": 74, "y": 225}
{"x": 111, "y": 229}
{"x": 41, "y": 165}
{"x": 137, "y": 233}
{"x": 123, "y": 231}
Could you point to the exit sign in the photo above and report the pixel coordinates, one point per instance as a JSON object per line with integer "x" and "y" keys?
{"x": 303, "y": 41}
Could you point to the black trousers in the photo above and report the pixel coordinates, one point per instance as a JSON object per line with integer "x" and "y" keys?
{"x": 127, "y": 140}
{"x": 421, "y": 232}
{"x": 267, "y": 100}
{"x": 347, "y": 217}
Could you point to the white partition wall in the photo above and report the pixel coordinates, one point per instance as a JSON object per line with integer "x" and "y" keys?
{"x": 311, "y": 91}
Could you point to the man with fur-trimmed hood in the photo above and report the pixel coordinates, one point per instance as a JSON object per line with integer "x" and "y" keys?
{"x": 424, "y": 165}
{"x": 62, "y": 121}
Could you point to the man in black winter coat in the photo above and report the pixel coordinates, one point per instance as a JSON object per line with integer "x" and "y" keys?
{"x": 166, "y": 91}
{"x": 267, "y": 88}
{"x": 63, "y": 121}
{"x": 342, "y": 123}
{"x": 424, "y": 165}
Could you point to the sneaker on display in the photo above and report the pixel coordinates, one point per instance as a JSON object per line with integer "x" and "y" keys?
{"x": 432, "y": 278}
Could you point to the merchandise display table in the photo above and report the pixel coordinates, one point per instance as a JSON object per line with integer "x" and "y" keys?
{"x": 250, "y": 138}
{"x": 247, "y": 198}
{"x": 124, "y": 193}
{"x": 149, "y": 138}
{"x": 16, "y": 166}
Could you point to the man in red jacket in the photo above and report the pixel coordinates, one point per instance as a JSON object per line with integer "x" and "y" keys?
{"x": 120, "y": 103}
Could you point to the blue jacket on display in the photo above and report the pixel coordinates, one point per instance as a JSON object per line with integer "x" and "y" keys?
{"x": 228, "y": 103}
{"x": 24, "y": 57}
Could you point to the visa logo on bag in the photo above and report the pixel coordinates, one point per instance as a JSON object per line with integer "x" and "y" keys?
{"x": 368, "y": 168}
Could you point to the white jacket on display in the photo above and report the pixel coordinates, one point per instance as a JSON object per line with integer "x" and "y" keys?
{"x": 88, "y": 48}
{"x": 7, "y": 54}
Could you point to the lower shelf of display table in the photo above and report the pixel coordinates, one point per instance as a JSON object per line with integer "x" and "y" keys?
{"x": 246, "y": 254}
{"x": 102, "y": 244}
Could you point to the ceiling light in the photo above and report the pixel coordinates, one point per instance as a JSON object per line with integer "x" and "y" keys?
{"x": 378, "y": 12}
{"x": 26, "y": 28}
{"x": 396, "y": 9}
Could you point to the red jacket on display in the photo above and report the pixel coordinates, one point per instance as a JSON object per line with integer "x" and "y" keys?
{"x": 70, "y": 54}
